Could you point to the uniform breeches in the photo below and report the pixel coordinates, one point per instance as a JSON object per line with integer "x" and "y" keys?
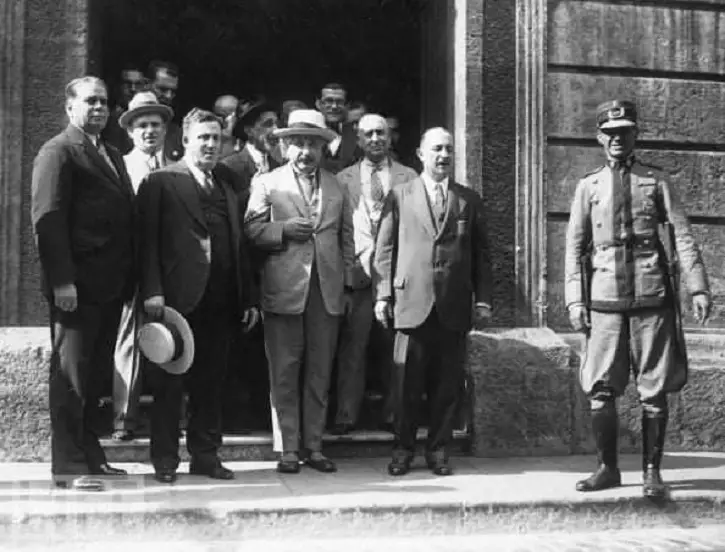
{"x": 640, "y": 342}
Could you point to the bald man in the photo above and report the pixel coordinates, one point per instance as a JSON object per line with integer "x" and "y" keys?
{"x": 366, "y": 184}
{"x": 431, "y": 264}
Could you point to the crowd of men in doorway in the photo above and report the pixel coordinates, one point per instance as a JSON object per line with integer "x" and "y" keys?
{"x": 154, "y": 261}
{"x": 160, "y": 244}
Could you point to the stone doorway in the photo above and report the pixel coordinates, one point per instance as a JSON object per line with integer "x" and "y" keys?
{"x": 396, "y": 56}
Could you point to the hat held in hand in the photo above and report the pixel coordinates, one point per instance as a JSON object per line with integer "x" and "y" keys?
{"x": 169, "y": 343}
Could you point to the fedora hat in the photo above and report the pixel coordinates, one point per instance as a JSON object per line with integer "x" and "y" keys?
{"x": 247, "y": 114}
{"x": 169, "y": 343}
{"x": 144, "y": 103}
{"x": 306, "y": 122}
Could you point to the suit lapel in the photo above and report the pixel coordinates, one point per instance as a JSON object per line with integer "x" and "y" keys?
{"x": 188, "y": 191}
{"x": 232, "y": 209}
{"x": 398, "y": 174}
{"x": 123, "y": 178}
{"x": 325, "y": 191}
{"x": 120, "y": 180}
{"x": 421, "y": 206}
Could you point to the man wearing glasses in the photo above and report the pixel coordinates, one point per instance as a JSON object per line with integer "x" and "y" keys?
{"x": 164, "y": 82}
{"x": 342, "y": 151}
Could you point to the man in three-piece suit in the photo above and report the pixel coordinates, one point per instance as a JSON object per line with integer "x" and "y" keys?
{"x": 194, "y": 259}
{"x": 299, "y": 213}
{"x": 145, "y": 122}
{"x": 366, "y": 184}
{"x": 431, "y": 261}
{"x": 83, "y": 216}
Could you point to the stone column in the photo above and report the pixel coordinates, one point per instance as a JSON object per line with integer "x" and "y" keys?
{"x": 530, "y": 257}
{"x": 44, "y": 45}
{"x": 12, "y": 44}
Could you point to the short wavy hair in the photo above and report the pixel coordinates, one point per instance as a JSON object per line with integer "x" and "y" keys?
{"x": 197, "y": 115}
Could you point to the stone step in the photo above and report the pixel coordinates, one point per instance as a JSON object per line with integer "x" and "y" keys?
{"x": 258, "y": 446}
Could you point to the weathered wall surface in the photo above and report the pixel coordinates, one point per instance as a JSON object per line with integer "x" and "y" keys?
{"x": 44, "y": 46}
{"x": 669, "y": 57}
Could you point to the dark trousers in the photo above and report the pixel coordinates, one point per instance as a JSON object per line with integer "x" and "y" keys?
{"x": 82, "y": 356}
{"x": 204, "y": 383}
{"x": 430, "y": 359}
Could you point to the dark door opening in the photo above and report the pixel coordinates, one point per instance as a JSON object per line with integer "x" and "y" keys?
{"x": 280, "y": 49}
{"x": 288, "y": 50}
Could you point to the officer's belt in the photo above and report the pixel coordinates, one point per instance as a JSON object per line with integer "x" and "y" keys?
{"x": 638, "y": 242}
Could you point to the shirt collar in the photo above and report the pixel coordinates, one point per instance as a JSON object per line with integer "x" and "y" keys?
{"x": 431, "y": 184}
{"x": 257, "y": 156}
{"x": 196, "y": 172}
{"x": 95, "y": 140}
{"x": 382, "y": 165}
{"x": 615, "y": 164}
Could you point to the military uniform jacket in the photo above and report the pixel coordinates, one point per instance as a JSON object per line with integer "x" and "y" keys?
{"x": 619, "y": 213}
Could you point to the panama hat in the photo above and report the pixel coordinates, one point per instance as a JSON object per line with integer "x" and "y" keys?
{"x": 144, "y": 103}
{"x": 306, "y": 122}
{"x": 169, "y": 343}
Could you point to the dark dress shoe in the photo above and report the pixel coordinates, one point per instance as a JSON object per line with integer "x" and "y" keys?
{"x": 652, "y": 484}
{"x": 288, "y": 466}
{"x": 83, "y": 483}
{"x": 215, "y": 472}
{"x": 105, "y": 469}
{"x": 341, "y": 429}
{"x": 324, "y": 465}
{"x": 440, "y": 467}
{"x": 165, "y": 476}
{"x": 399, "y": 466}
{"x": 604, "y": 478}
{"x": 123, "y": 435}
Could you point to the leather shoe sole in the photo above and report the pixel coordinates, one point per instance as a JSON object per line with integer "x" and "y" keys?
{"x": 604, "y": 478}
{"x": 325, "y": 465}
{"x": 397, "y": 468}
{"x": 288, "y": 466}
{"x": 83, "y": 483}
{"x": 165, "y": 477}
{"x": 105, "y": 469}
{"x": 219, "y": 472}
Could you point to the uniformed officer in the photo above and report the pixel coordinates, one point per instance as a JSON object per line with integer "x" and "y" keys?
{"x": 626, "y": 306}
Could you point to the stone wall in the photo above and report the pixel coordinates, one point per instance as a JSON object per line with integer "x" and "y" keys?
{"x": 44, "y": 47}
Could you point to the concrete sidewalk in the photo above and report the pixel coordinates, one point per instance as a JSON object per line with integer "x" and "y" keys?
{"x": 360, "y": 484}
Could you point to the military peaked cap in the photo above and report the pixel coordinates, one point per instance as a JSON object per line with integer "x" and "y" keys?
{"x": 616, "y": 114}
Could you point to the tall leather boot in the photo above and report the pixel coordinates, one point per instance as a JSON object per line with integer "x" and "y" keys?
{"x": 605, "y": 424}
{"x": 653, "y": 441}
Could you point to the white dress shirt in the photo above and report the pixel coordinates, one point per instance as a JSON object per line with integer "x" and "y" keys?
{"x": 139, "y": 164}
{"x": 198, "y": 174}
{"x": 366, "y": 171}
{"x": 261, "y": 160}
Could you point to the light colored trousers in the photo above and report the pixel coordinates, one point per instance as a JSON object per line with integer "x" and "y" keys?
{"x": 127, "y": 367}
{"x": 300, "y": 344}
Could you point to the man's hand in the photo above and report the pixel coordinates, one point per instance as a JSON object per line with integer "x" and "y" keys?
{"x": 701, "y": 306}
{"x": 298, "y": 229}
{"x": 154, "y": 307}
{"x": 250, "y": 319}
{"x": 384, "y": 312}
{"x": 579, "y": 318}
{"x": 66, "y": 297}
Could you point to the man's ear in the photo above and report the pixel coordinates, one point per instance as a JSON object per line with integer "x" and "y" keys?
{"x": 318, "y": 104}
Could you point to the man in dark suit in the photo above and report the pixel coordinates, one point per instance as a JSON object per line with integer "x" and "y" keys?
{"x": 83, "y": 213}
{"x": 255, "y": 126}
{"x": 342, "y": 151}
{"x": 163, "y": 79}
{"x": 431, "y": 261}
{"x": 194, "y": 260}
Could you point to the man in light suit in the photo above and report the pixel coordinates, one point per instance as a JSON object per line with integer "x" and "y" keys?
{"x": 300, "y": 214}
{"x": 83, "y": 214}
{"x": 145, "y": 122}
{"x": 194, "y": 259}
{"x": 431, "y": 261}
{"x": 366, "y": 184}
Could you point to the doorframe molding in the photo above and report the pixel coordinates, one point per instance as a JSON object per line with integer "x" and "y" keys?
{"x": 531, "y": 190}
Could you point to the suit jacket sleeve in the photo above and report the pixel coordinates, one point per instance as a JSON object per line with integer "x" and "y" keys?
{"x": 259, "y": 227}
{"x": 149, "y": 200}
{"x": 481, "y": 265}
{"x": 386, "y": 249}
{"x": 688, "y": 253}
{"x": 51, "y": 199}
{"x": 578, "y": 234}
